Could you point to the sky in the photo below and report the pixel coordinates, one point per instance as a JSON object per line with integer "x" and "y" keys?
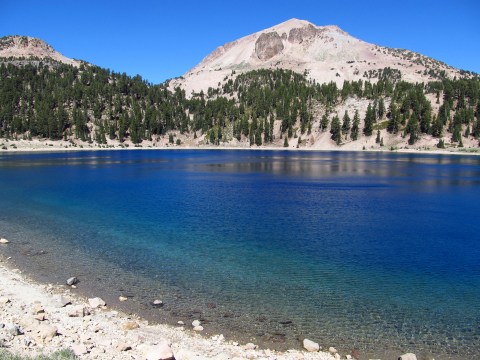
{"x": 160, "y": 40}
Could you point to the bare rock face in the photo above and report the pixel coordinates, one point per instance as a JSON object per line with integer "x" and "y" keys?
{"x": 298, "y": 35}
{"x": 268, "y": 45}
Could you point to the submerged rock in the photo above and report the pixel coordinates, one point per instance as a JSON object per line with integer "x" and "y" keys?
{"x": 332, "y": 350}
{"x": 310, "y": 345}
{"x": 72, "y": 281}
{"x": 196, "y": 323}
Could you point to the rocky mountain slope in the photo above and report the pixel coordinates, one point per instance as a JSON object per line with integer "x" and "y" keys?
{"x": 28, "y": 48}
{"x": 325, "y": 53}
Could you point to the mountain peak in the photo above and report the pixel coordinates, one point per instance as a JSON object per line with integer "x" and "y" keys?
{"x": 17, "y": 46}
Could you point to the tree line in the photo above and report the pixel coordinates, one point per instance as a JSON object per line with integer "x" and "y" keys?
{"x": 58, "y": 101}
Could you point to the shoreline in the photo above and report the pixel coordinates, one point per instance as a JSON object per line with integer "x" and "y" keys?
{"x": 103, "y": 332}
{"x": 45, "y": 146}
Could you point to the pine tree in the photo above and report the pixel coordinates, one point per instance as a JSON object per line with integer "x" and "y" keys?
{"x": 355, "y": 126}
{"x": 324, "y": 122}
{"x": 346, "y": 123}
{"x": 285, "y": 143}
{"x": 335, "y": 130}
{"x": 369, "y": 120}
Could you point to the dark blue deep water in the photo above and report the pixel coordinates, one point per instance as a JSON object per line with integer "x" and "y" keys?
{"x": 376, "y": 251}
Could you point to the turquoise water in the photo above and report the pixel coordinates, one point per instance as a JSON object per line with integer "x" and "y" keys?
{"x": 374, "y": 251}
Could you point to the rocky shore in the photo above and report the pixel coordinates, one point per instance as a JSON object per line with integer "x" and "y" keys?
{"x": 42, "y": 319}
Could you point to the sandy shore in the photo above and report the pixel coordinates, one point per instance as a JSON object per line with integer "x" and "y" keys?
{"x": 37, "y": 145}
{"x": 52, "y": 318}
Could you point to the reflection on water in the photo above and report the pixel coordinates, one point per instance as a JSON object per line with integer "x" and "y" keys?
{"x": 369, "y": 250}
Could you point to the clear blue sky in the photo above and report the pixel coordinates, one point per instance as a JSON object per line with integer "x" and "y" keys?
{"x": 163, "y": 39}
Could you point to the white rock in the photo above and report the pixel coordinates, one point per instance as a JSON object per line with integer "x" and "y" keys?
{"x": 337, "y": 356}
{"x": 96, "y": 302}
{"x": 250, "y": 346}
{"x": 332, "y": 350}
{"x": 157, "y": 302}
{"x": 161, "y": 351}
{"x": 348, "y": 357}
{"x": 46, "y": 331}
{"x": 198, "y": 328}
{"x": 310, "y": 345}
{"x": 122, "y": 346}
{"x": 4, "y": 241}
{"x": 196, "y": 323}
{"x": 72, "y": 281}
{"x": 180, "y": 322}
{"x": 13, "y": 329}
{"x": 4, "y": 300}
{"x": 408, "y": 356}
{"x": 122, "y": 298}
{"x": 79, "y": 349}
{"x": 62, "y": 301}
{"x": 37, "y": 309}
{"x": 77, "y": 311}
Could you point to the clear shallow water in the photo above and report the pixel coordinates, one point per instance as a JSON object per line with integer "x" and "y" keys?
{"x": 375, "y": 251}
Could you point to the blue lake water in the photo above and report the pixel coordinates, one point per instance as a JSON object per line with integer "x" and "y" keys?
{"x": 375, "y": 251}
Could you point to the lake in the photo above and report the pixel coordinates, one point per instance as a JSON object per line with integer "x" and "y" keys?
{"x": 375, "y": 251}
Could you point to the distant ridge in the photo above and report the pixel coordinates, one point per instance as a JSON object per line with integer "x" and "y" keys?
{"x": 27, "y": 47}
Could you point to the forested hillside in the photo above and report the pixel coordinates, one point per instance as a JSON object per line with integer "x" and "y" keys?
{"x": 264, "y": 107}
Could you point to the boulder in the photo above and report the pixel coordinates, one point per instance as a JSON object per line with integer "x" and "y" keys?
{"x": 122, "y": 298}
{"x": 72, "y": 281}
{"x": 310, "y": 345}
{"x": 4, "y": 300}
{"x": 198, "y": 328}
{"x": 122, "y": 346}
{"x": 408, "y": 356}
{"x": 250, "y": 346}
{"x": 37, "y": 309}
{"x": 96, "y": 302}
{"x": 77, "y": 311}
{"x": 46, "y": 331}
{"x": 161, "y": 351}
{"x": 79, "y": 349}
{"x": 13, "y": 329}
{"x": 4, "y": 241}
{"x": 62, "y": 301}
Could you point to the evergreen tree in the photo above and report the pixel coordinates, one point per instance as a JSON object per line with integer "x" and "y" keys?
{"x": 335, "y": 130}
{"x": 355, "y": 126}
{"x": 346, "y": 123}
{"x": 285, "y": 142}
{"x": 369, "y": 120}
{"x": 324, "y": 122}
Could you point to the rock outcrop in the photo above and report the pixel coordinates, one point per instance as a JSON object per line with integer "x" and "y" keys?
{"x": 268, "y": 45}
